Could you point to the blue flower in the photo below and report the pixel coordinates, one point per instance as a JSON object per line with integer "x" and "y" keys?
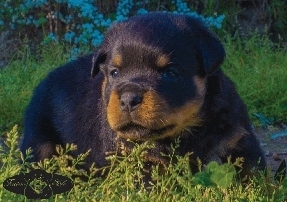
{"x": 120, "y": 18}
{"x": 69, "y": 36}
{"x": 142, "y": 11}
{"x": 52, "y": 36}
{"x": 124, "y": 7}
{"x": 12, "y": 25}
{"x": 89, "y": 22}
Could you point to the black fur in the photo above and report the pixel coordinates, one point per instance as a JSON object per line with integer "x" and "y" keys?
{"x": 70, "y": 105}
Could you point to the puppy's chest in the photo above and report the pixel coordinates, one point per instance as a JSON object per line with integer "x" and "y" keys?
{"x": 197, "y": 145}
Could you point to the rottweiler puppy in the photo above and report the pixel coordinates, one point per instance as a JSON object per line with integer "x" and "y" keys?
{"x": 156, "y": 78}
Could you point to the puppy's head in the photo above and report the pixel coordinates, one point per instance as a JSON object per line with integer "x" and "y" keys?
{"x": 155, "y": 69}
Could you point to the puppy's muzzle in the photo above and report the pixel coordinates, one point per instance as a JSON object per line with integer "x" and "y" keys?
{"x": 130, "y": 97}
{"x": 130, "y": 101}
{"x": 138, "y": 113}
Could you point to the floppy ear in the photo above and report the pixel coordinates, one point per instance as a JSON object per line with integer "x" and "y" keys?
{"x": 98, "y": 58}
{"x": 212, "y": 52}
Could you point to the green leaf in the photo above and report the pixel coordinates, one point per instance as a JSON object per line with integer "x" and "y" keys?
{"x": 203, "y": 178}
{"x": 221, "y": 175}
{"x": 42, "y": 21}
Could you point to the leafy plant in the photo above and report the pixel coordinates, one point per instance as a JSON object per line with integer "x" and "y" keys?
{"x": 78, "y": 22}
{"x": 125, "y": 180}
{"x": 216, "y": 175}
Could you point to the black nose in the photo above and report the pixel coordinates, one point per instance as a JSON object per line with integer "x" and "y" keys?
{"x": 130, "y": 101}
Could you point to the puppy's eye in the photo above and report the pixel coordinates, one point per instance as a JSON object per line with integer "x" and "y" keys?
{"x": 170, "y": 72}
{"x": 114, "y": 73}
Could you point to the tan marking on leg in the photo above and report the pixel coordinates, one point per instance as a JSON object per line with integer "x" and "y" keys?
{"x": 46, "y": 150}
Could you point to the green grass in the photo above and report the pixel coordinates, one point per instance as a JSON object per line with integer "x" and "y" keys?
{"x": 259, "y": 72}
{"x": 125, "y": 181}
{"x": 18, "y": 80}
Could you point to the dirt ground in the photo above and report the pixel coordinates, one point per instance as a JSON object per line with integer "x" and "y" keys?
{"x": 275, "y": 149}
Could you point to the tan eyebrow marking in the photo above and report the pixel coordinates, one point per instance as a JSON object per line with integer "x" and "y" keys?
{"x": 162, "y": 60}
{"x": 117, "y": 60}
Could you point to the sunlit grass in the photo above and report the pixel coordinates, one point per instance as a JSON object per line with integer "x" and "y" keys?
{"x": 126, "y": 182}
{"x": 18, "y": 80}
{"x": 257, "y": 68}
